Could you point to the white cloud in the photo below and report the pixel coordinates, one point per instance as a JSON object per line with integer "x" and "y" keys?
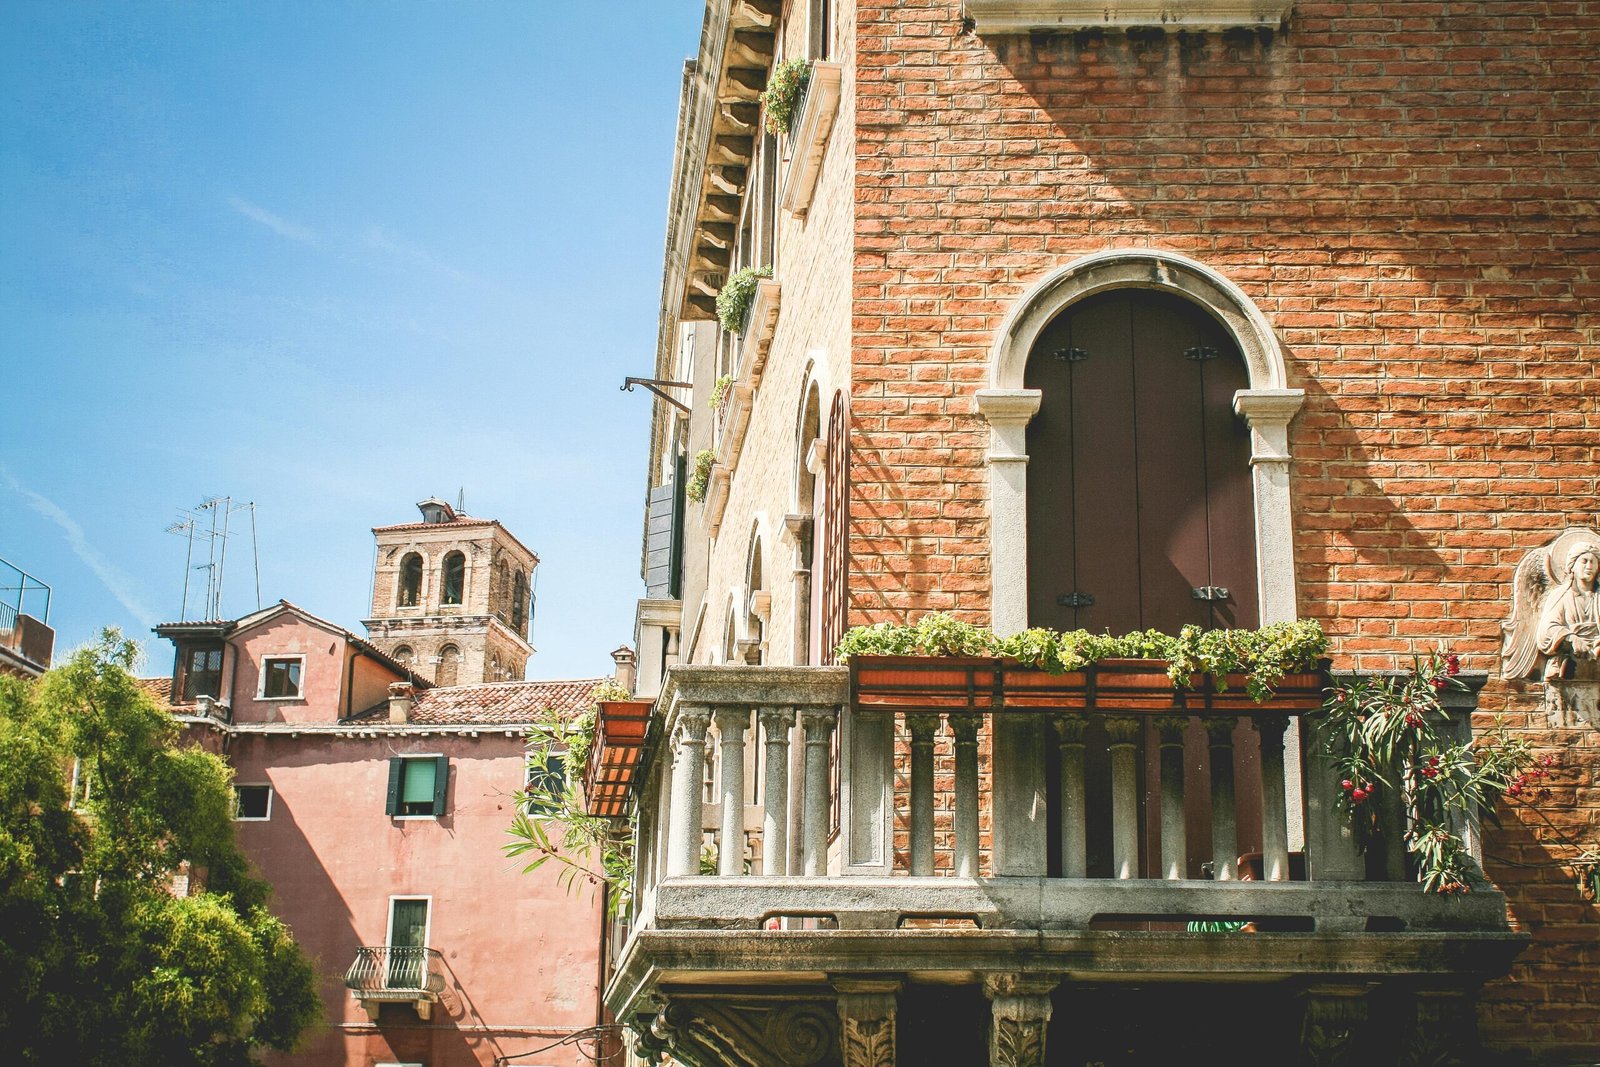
{"x": 118, "y": 583}
{"x": 278, "y": 225}
{"x": 382, "y": 240}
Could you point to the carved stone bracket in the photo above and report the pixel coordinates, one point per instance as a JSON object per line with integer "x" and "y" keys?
{"x": 722, "y": 1032}
{"x": 1021, "y": 1013}
{"x": 1334, "y": 1030}
{"x": 867, "y": 1021}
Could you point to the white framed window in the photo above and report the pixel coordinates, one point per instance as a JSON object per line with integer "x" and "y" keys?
{"x": 418, "y": 786}
{"x": 252, "y": 802}
{"x": 281, "y": 677}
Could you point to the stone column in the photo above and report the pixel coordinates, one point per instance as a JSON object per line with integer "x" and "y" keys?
{"x": 1020, "y": 1004}
{"x": 1224, "y": 812}
{"x": 1174, "y": 839}
{"x": 1074, "y": 839}
{"x": 867, "y": 1021}
{"x": 1274, "y": 824}
{"x": 922, "y": 727}
{"x": 818, "y": 723}
{"x": 731, "y": 725}
{"x": 775, "y": 726}
{"x": 1124, "y": 731}
{"x": 964, "y": 728}
{"x": 688, "y": 770}
{"x": 1008, "y": 412}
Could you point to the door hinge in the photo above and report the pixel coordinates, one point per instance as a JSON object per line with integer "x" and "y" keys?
{"x": 1071, "y": 355}
{"x": 1201, "y": 352}
{"x": 1075, "y": 600}
{"x": 1210, "y": 592}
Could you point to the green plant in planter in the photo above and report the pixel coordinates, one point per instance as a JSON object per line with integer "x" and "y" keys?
{"x": 700, "y": 480}
{"x": 783, "y": 92}
{"x": 719, "y": 391}
{"x": 1263, "y": 655}
{"x": 733, "y": 301}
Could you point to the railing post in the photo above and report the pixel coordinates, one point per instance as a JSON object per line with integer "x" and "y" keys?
{"x": 1020, "y": 828}
{"x": 775, "y": 725}
{"x": 1224, "y": 814}
{"x": 922, "y": 726}
{"x": 1274, "y": 806}
{"x": 964, "y": 728}
{"x": 1074, "y": 839}
{"x": 1174, "y": 840}
{"x": 731, "y": 725}
{"x": 818, "y": 723}
{"x": 688, "y": 767}
{"x": 1124, "y": 731}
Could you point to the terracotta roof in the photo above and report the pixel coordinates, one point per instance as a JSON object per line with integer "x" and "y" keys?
{"x": 494, "y": 703}
{"x": 160, "y": 689}
{"x": 459, "y": 520}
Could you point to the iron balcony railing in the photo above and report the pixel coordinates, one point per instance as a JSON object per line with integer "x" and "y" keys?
{"x": 389, "y": 969}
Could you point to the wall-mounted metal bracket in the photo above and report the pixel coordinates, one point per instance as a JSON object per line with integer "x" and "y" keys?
{"x": 1075, "y": 600}
{"x": 654, "y": 385}
{"x": 1210, "y": 592}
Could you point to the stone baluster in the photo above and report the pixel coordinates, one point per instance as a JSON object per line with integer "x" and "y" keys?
{"x": 1074, "y": 837}
{"x": 922, "y": 727}
{"x": 731, "y": 725}
{"x": 1021, "y": 836}
{"x": 819, "y": 724}
{"x": 1174, "y": 840}
{"x": 688, "y": 769}
{"x": 1020, "y": 1008}
{"x": 1224, "y": 813}
{"x": 1124, "y": 731}
{"x": 775, "y": 726}
{"x": 964, "y": 728}
{"x": 1274, "y": 805}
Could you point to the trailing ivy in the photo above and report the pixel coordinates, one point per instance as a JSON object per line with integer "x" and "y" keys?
{"x": 733, "y": 301}
{"x": 719, "y": 391}
{"x": 704, "y": 460}
{"x": 783, "y": 92}
{"x": 1263, "y": 655}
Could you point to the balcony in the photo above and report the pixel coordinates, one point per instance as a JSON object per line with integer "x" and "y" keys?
{"x": 26, "y": 640}
{"x": 391, "y": 974}
{"x": 887, "y": 848}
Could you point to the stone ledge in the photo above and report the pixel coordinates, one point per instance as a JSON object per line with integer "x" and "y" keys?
{"x": 1027, "y": 16}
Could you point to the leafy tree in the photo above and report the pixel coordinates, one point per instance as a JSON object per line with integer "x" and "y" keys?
{"x": 99, "y": 962}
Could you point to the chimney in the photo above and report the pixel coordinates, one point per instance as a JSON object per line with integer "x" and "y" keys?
{"x": 401, "y": 697}
{"x": 627, "y": 667}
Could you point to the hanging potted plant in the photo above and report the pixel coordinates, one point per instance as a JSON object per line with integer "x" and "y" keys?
{"x": 700, "y": 479}
{"x": 781, "y": 99}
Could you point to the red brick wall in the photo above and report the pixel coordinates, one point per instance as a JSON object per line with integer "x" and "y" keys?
{"x": 1407, "y": 190}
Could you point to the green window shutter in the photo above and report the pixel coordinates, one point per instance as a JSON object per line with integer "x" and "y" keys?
{"x": 441, "y": 781}
{"x": 392, "y": 805}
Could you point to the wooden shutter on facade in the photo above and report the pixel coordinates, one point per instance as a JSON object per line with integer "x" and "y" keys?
{"x": 391, "y": 805}
{"x": 836, "y": 516}
{"x": 1140, "y": 507}
{"x": 441, "y": 782}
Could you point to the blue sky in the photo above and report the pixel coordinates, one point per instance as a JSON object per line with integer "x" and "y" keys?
{"x": 332, "y": 258}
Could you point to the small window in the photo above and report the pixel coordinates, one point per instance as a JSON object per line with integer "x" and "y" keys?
{"x": 417, "y": 786}
{"x": 455, "y": 578}
{"x": 449, "y": 666}
{"x": 252, "y": 803}
{"x": 404, "y": 655}
{"x": 280, "y": 677}
{"x": 519, "y": 603}
{"x": 410, "y": 594}
{"x": 202, "y": 672}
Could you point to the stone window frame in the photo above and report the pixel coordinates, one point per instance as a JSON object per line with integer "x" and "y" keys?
{"x": 1267, "y": 407}
{"x": 421, "y": 591}
{"x": 299, "y": 677}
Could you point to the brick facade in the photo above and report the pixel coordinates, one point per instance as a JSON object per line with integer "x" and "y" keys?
{"x": 1406, "y": 191}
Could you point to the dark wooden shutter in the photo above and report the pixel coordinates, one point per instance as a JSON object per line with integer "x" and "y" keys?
{"x": 441, "y": 782}
{"x": 1139, "y": 486}
{"x": 392, "y": 804}
{"x": 836, "y": 518}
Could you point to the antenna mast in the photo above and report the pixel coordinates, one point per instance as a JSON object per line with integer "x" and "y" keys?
{"x": 215, "y": 534}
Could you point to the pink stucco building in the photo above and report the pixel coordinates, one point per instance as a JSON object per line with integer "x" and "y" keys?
{"x": 377, "y": 806}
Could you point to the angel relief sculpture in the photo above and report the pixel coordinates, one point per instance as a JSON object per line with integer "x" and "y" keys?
{"x": 1554, "y": 632}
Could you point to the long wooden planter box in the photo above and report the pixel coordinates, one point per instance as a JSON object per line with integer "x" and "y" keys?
{"x": 619, "y": 733}
{"x": 985, "y": 684}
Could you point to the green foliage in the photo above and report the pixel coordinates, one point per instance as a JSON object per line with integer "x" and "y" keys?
{"x": 782, "y": 94}
{"x": 99, "y": 962}
{"x": 719, "y": 391}
{"x": 733, "y": 301}
{"x": 553, "y": 821}
{"x": 700, "y": 479}
{"x": 1384, "y": 737}
{"x": 1264, "y": 656}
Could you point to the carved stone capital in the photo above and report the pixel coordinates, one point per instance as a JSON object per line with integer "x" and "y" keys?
{"x": 1333, "y": 1030}
{"x": 1170, "y": 729}
{"x": 1123, "y": 730}
{"x": 818, "y": 723}
{"x": 922, "y": 726}
{"x": 1070, "y": 728}
{"x": 776, "y": 721}
{"x": 1020, "y": 1004}
{"x": 964, "y": 728}
{"x": 732, "y": 723}
{"x": 1270, "y": 728}
{"x": 693, "y": 719}
{"x": 1219, "y": 729}
{"x": 867, "y": 1021}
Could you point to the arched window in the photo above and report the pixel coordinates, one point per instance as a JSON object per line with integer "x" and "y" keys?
{"x": 454, "y": 586}
{"x": 449, "y": 668}
{"x": 519, "y": 603}
{"x": 1140, "y": 511}
{"x": 409, "y": 594}
{"x": 808, "y": 454}
{"x": 496, "y": 674}
{"x": 500, "y": 600}
{"x": 755, "y": 593}
{"x": 835, "y": 519}
{"x": 403, "y": 655}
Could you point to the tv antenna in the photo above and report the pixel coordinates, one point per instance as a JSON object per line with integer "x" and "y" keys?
{"x": 209, "y": 523}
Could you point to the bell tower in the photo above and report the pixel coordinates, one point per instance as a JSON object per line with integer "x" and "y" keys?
{"x": 452, "y": 597}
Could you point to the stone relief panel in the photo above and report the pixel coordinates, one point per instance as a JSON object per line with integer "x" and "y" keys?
{"x": 1553, "y": 635}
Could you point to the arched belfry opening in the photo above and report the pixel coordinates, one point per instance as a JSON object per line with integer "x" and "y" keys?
{"x": 1139, "y": 498}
